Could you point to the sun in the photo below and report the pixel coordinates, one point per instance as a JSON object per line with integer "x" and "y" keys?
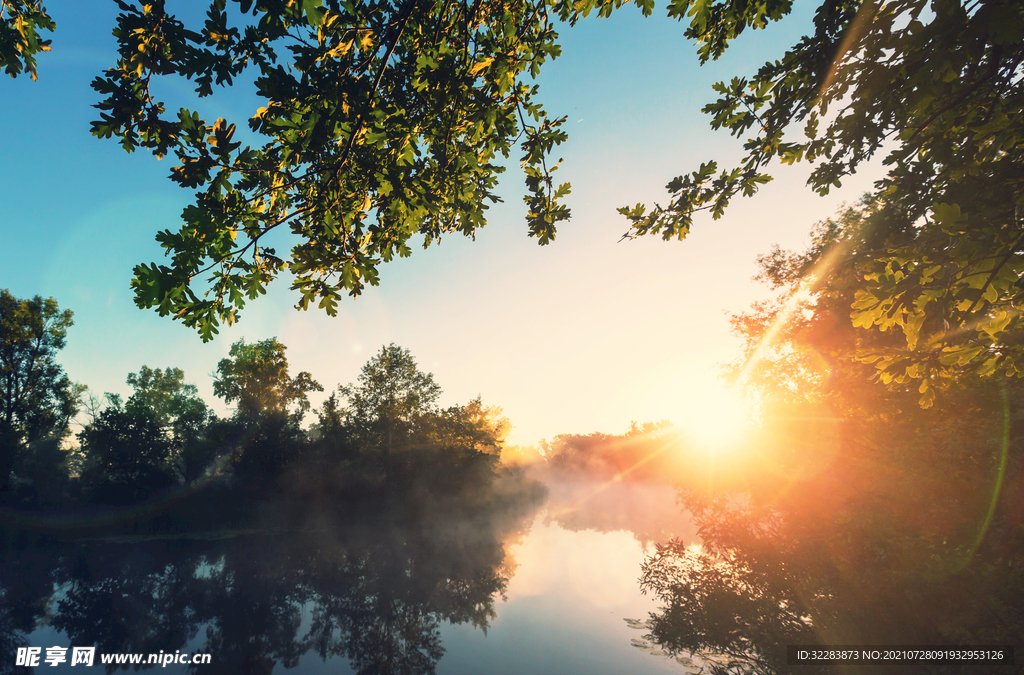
{"x": 716, "y": 418}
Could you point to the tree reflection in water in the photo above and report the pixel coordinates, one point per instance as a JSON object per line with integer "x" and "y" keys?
{"x": 848, "y": 546}
{"x": 373, "y": 588}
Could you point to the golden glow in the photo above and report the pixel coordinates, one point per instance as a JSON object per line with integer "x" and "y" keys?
{"x": 714, "y": 419}
{"x": 804, "y": 291}
{"x": 598, "y": 568}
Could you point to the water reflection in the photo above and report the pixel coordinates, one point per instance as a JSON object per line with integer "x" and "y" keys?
{"x": 646, "y": 510}
{"x": 373, "y": 588}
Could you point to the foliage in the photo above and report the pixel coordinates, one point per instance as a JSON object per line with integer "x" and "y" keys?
{"x": 649, "y": 452}
{"x": 165, "y": 435}
{"x": 44, "y": 473}
{"x": 956, "y": 302}
{"x": 178, "y": 410}
{"x": 331, "y": 437}
{"x": 390, "y": 430}
{"x": 935, "y": 86}
{"x": 20, "y": 24}
{"x": 383, "y": 121}
{"x": 265, "y": 435}
{"x": 857, "y": 516}
{"x": 174, "y": 403}
{"x": 802, "y": 345}
{"x": 473, "y": 425}
{"x": 37, "y": 399}
{"x": 840, "y": 271}
{"x": 390, "y": 400}
{"x": 256, "y": 377}
{"x": 131, "y": 449}
{"x": 129, "y": 456}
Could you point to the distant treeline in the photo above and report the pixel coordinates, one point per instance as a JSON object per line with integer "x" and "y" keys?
{"x": 646, "y": 453}
{"x": 384, "y": 431}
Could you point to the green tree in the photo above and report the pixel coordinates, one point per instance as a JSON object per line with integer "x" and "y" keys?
{"x": 165, "y": 393}
{"x": 37, "y": 399}
{"x": 266, "y": 434}
{"x": 934, "y": 85}
{"x": 179, "y": 411}
{"x": 389, "y": 422}
{"x": 801, "y": 346}
{"x": 20, "y": 40}
{"x": 383, "y": 121}
{"x": 473, "y": 425}
{"x": 390, "y": 400}
{"x": 129, "y": 455}
{"x": 255, "y": 377}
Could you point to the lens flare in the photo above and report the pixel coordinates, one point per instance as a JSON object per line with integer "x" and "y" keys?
{"x": 717, "y": 419}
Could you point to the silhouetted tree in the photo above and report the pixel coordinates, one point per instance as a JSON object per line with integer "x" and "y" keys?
{"x": 128, "y": 455}
{"x": 393, "y": 420}
{"x": 37, "y": 400}
{"x": 333, "y": 443}
{"x": 391, "y": 398}
{"x": 270, "y": 407}
{"x": 177, "y": 408}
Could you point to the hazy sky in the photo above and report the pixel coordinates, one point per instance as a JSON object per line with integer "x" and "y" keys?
{"x": 582, "y": 335}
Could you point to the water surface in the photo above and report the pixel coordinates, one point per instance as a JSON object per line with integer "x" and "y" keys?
{"x": 547, "y": 587}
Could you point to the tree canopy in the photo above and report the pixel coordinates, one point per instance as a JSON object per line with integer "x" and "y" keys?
{"x": 934, "y": 85}
{"x": 256, "y": 377}
{"x": 37, "y": 399}
{"x": 383, "y": 121}
{"x": 20, "y": 39}
{"x": 391, "y": 397}
{"x": 389, "y": 120}
{"x": 391, "y": 422}
{"x": 937, "y": 89}
{"x": 129, "y": 456}
{"x": 174, "y": 403}
{"x": 37, "y": 396}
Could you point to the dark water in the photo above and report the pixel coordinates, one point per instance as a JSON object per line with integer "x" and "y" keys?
{"x": 515, "y": 586}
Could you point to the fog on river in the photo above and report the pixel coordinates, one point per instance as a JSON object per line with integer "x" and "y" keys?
{"x": 545, "y": 585}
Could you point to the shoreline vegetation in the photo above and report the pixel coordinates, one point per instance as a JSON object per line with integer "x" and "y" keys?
{"x": 162, "y": 461}
{"x": 851, "y": 515}
{"x": 880, "y": 499}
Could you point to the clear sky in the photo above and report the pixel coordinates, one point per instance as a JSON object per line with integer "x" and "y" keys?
{"x": 582, "y": 335}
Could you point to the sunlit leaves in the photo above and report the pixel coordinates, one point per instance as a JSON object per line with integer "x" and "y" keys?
{"x": 20, "y": 24}
{"x": 957, "y": 307}
{"x": 383, "y": 120}
{"x": 255, "y": 376}
{"x": 700, "y": 190}
{"x": 937, "y": 88}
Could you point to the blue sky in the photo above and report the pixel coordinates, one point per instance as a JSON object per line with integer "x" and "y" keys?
{"x": 582, "y": 335}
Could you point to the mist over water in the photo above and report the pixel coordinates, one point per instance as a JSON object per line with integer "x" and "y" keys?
{"x": 522, "y": 580}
